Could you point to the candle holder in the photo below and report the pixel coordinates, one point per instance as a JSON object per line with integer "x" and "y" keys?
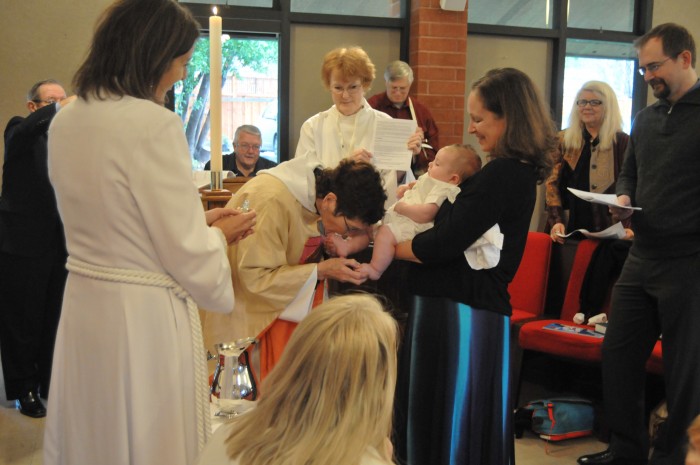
{"x": 217, "y": 182}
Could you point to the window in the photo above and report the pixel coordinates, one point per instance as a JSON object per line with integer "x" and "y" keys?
{"x": 523, "y": 13}
{"x": 589, "y": 40}
{"x": 601, "y": 15}
{"x": 258, "y": 3}
{"x": 250, "y": 87}
{"x": 375, "y": 8}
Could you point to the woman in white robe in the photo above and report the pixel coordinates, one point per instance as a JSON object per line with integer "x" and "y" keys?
{"x": 346, "y": 130}
{"x": 130, "y": 382}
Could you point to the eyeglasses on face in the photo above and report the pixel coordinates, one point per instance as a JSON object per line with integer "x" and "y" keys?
{"x": 245, "y": 147}
{"x": 352, "y": 89}
{"x": 48, "y": 101}
{"x": 583, "y": 102}
{"x": 652, "y": 67}
{"x": 351, "y": 231}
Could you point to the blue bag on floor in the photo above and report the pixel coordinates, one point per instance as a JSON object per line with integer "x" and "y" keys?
{"x": 558, "y": 419}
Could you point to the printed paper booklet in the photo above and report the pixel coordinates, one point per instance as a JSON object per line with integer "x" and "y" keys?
{"x": 573, "y": 330}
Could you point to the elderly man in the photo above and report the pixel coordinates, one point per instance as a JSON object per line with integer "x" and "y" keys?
{"x": 396, "y": 103}
{"x": 245, "y": 160}
{"x": 658, "y": 291}
{"x": 32, "y": 253}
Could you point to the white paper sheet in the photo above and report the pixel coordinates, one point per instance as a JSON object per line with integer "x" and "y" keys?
{"x": 603, "y": 199}
{"x": 616, "y": 231}
{"x": 390, "y": 137}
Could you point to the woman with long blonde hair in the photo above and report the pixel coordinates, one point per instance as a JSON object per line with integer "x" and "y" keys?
{"x": 589, "y": 158}
{"x": 328, "y": 400}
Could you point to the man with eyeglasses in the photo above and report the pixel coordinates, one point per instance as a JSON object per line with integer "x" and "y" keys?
{"x": 658, "y": 291}
{"x": 245, "y": 160}
{"x": 281, "y": 271}
{"x": 32, "y": 253}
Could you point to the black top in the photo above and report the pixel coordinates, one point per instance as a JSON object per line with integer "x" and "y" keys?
{"x": 228, "y": 163}
{"x": 503, "y": 192}
{"x": 580, "y": 211}
{"x": 660, "y": 174}
{"x": 29, "y": 220}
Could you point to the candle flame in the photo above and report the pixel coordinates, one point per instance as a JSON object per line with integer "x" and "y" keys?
{"x": 214, "y": 10}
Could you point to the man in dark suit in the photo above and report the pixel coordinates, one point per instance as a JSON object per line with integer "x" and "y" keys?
{"x": 32, "y": 253}
{"x": 245, "y": 160}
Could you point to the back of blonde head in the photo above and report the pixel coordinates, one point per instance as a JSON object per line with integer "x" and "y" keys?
{"x": 612, "y": 119}
{"x": 330, "y": 397}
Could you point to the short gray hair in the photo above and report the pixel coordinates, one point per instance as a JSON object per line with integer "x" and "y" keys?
{"x": 247, "y": 128}
{"x": 397, "y": 70}
{"x": 33, "y": 94}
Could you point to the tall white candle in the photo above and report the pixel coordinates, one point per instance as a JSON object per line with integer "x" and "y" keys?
{"x": 215, "y": 90}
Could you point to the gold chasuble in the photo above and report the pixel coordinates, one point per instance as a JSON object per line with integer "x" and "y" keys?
{"x": 274, "y": 287}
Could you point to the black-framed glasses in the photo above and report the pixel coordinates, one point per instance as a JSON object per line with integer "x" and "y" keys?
{"x": 49, "y": 101}
{"x": 245, "y": 147}
{"x": 652, "y": 67}
{"x": 350, "y": 231}
{"x": 583, "y": 102}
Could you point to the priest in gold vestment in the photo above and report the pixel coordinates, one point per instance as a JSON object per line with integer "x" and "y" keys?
{"x": 276, "y": 277}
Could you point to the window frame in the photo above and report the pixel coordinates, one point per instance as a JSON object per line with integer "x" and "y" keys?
{"x": 558, "y": 35}
{"x": 239, "y": 21}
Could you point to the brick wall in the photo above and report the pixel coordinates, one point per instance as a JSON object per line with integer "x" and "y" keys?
{"x": 438, "y": 56}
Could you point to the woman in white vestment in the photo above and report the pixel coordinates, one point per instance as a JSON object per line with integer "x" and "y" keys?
{"x": 130, "y": 381}
{"x": 346, "y": 130}
{"x": 330, "y": 398}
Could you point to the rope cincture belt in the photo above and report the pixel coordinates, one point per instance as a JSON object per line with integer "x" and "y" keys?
{"x": 152, "y": 278}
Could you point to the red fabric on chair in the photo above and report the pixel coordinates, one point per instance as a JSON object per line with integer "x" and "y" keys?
{"x": 655, "y": 364}
{"x": 529, "y": 286}
{"x": 533, "y": 336}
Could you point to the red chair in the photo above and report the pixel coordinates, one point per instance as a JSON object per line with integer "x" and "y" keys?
{"x": 655, "y": 364}
{"x": 528, "y": 289}
{"x": 528, "y": 292}
{"x": 533, "y": 336}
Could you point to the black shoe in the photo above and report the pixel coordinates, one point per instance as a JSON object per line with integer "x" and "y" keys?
{"x": 607, "y": 457}
{"x": 30, "y": 405}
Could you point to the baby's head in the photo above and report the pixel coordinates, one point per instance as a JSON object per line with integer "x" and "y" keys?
{"x": 454, "y": 163}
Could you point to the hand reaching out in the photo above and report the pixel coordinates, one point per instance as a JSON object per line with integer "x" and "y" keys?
{"x": 235, "y": 224}
{"x": 342, "y": 269}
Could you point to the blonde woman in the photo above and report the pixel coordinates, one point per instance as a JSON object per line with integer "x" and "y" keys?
{"x": 589, "y": 158}
{"x": 328, "y": 400}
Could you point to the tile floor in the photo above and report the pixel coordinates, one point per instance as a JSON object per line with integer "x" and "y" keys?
{"x": 21, "y": 437}
{"x": 21, "y": 440}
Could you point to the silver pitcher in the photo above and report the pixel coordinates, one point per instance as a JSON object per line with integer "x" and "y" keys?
{"x": 233, "y": 377}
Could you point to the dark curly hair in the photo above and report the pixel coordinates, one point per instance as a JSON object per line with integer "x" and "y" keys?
{"x": 358, "y": 188}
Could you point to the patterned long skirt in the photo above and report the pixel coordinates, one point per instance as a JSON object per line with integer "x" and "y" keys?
{"x": 453, "y": 395}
